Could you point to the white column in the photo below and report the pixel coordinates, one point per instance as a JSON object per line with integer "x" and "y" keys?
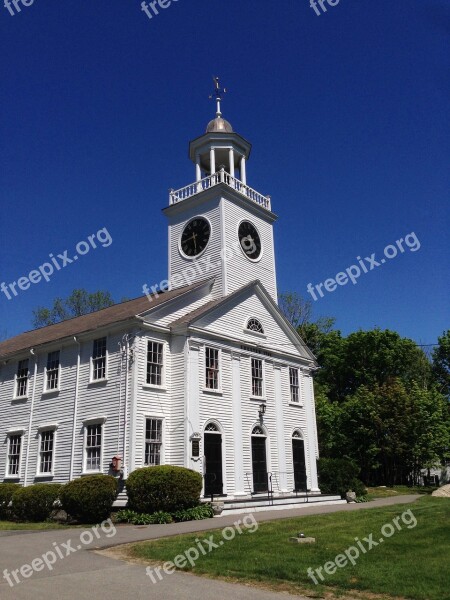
{"x": 280, "y": 429}
{"x": 193, "y": 406}
{"x": 232, "y": 162}
{"x": 198, "y": 171}
{"x": 212, "y": 154}
{"x": 311, "y": 430}
{"x": 243, "y": 170}
{"x": 239, "y": 484}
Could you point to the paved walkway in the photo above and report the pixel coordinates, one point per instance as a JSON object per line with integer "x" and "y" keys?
{"x": 86, "y": 574}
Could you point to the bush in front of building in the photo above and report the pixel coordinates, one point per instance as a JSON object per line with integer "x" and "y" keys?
{"x": 338, "y": 476}
{"x": 35, "y": 503}
{"x": 89, "y": 499}
{"x": 163, "y": 488}
{"x": 6, "y": 493}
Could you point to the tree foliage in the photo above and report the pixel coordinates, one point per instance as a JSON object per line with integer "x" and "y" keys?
{"x": 80, "y": 302}
{"x": 441, "y": 362}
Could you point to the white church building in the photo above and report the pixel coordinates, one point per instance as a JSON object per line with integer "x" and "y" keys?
{"x": 207, "y": 375}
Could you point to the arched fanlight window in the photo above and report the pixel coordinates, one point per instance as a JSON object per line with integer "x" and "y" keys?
{"x": 257, "y": 430}
{"x": 212, "y": 428}
{"x": 255, "y": 325}
{"x": 297, "y": 434}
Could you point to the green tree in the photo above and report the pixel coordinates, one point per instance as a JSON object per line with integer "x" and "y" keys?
{"x": 80, "y": 302}
{"x": 441, "y": 362}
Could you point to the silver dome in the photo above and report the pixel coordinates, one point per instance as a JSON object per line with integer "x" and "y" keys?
{"x": 219, "y": 125}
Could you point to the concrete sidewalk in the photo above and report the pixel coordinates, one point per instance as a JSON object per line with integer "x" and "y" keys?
{"x": 84, "y": 574}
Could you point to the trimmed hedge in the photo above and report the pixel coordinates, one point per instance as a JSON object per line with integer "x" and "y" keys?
{"x": 36, "y": 502}
{"x": 163, "y": 488}
{"x": 6, "y": 493}
{"x": 89, "y": 499}
{"x": 338, "y": 476}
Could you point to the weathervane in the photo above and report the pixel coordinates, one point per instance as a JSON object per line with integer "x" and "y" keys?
{"x": 218, "y": 94}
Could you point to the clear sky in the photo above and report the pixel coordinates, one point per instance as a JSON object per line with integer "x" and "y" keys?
{"x": 348, "y": 114}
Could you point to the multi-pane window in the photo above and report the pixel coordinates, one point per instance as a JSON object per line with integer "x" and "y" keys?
{"x": 154, "y": 363}
{"x": 255, "y": 325}
{"x": 153, "y": 442}
{"x": 294, "y": 384}
{"x": 93, "y": 448}
{"x": 212, "y": 368}
{"x": 257, "y": 377}
{"x": 52, "y": 378}
{"x": 22, "y": 378}
{"x": 47, "y": 444}
{"x": 99, "y": 359}
{"x": 14, "y": 449}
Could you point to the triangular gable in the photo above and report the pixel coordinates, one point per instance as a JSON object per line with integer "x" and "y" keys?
{"x": 229, "y": 317}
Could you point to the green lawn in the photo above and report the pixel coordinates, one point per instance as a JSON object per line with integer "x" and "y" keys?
{"x": 10, "y": 526}
{"x": 413, "y": 563}
{"x": 384, "y": 492}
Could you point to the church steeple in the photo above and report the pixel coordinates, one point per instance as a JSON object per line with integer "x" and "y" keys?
{"x": 220, "y": 147}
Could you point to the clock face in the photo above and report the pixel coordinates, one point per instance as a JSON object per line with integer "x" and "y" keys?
{"x": 249, "y": 240}
{"x": 195, "y": 237}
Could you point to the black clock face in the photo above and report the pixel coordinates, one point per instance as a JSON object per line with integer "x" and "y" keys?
{"x": 195, "y": 237}
{"x": 249, "y": 240}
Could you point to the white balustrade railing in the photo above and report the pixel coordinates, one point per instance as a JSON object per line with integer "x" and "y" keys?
{"x": 221, "y": 176}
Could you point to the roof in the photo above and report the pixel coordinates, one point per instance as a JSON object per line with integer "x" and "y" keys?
{"x": 118, "y": 313}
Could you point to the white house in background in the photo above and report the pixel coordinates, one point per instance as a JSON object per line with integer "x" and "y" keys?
{"x": 208, "y": 375}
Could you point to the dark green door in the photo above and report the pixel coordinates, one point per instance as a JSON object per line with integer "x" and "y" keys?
{"x": 259, "y": 464}
{"x": 298, "y": 454}
{"x": 213, "y": 464}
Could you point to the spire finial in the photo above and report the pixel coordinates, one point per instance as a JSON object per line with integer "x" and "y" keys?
{"x": 218, "y": 95}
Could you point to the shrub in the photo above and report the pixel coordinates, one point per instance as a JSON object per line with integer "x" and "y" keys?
{"x": 89, "y": 499}
{"x": 197, "y": 513}
{"x": 130, "y": 516}
{"x": 163, "y": 488}
{"x": 6, "y": 493}
{"x": 36, "y": 502}
{"x": 338, "y": 476}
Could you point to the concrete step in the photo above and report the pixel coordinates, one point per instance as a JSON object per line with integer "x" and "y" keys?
{"x": 260, "y": 504}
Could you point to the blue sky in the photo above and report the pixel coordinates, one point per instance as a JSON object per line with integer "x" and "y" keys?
{"x": 347, "y": 113}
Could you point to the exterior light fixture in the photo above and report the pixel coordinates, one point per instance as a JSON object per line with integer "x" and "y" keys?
{"x": 262, "y": 410}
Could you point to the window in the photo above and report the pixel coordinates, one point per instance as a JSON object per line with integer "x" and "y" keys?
{"x": 46, "y": 448}
{"x": 99, "y": 359}
{"x": 93, "y": 448}
{"x": 155, "y": 363}
{"x": 52, "y": 373}
{"x": 14, "y": 451}
{"x": 212, "y": 368}
{"x": 294, "y": 385}
{"x": 257, "y": 377}
{"x": 255, "y": 325}
{"x": 22, "y": 378}
{"x": 153, "y": 442}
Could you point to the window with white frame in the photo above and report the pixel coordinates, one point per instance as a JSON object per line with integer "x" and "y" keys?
{"x": 14, "y": 454}
{"x": 99, "y": 359}
{"x": 22, "y": 378}
{"x": 93, "y": 446}
{"x": 46, "y": 451}
{"x": 52, "y": 371}
{"x": 153, "y": 442}
{"x": 255, "y": 325}
{"x": 155, "y": 357}
{"x": 212, "y": 368}
{"x": 294, "y": 383}
{"x": 257, "y": 377}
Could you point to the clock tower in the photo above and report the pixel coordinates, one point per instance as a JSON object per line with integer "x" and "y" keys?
{"x": 219, "y": 226}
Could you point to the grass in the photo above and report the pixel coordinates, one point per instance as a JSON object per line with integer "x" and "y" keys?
{"x": 11, "y": 526}
{"x": 384, "y": 492}
{"x": 413, "y": 563}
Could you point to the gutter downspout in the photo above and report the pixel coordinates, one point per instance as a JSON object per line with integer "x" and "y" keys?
{"x": 75, "y": 409}
{"x": 125, "y": 465}
{"x": 31, "y": 417}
